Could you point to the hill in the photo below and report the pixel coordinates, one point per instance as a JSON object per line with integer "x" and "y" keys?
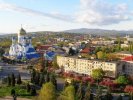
{"x": 99, "y": 31}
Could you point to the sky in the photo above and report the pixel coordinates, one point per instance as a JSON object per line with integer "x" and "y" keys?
{"x": 58, "y": 15}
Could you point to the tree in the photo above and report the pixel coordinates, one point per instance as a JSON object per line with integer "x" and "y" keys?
{"x": 111, "y": 56}
{"x": 53, "y": 80}
{"x": 33, "y": 74}
{"x": 100, "y": 55}
{"x": 45, "y": 63}
{"x": 1, "y": 51}
{"x": 97, "y": 49}
{"x": 47, "y": 77}
{"x": 68, "y": 93}
{"x": 40, "y": 64}
{"x": 28, "y": 87}
{"x": 65, "y": 85}
{"x": 79, "y": 93}
{"x": 88, "y": 95}
{"x": 41, "y": 81}
{"x": 19, "y": 79}
{"x": 9, "y": 80}
{"x": 98, "y": 93}
{"x": 122, "y": 79}
{"x": 37, "y": 78}
{"x": 73, "y": 82}
{"x": 13, "y": 92}
{"x": 33, "y": 91}
{"x": 71, "y": 52}
{"x": 13, "y": 79}
{"x": 119, "y": 44}
{"x": 54, "y": 63}
{"x": 98, "y": 74}
{"x": 47, "y": 92}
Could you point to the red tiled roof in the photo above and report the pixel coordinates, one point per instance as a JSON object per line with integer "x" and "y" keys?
{"x": 86, "y": 50}
{"x": 44, "y": 47}
{"x": 129, "y": 58}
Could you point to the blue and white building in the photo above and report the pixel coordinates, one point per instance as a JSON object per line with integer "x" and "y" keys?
{"x": 22, "y": 47}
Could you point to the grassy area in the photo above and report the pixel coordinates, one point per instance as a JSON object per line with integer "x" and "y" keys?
{"x": 20, "y": 91}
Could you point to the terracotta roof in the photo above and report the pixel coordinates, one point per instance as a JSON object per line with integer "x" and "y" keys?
{"x": 86, "y": 50}
{"x": 129, "y": 58}
{"x": 44, "y": 47}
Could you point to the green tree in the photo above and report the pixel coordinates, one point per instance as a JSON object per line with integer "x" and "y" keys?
{"x": 42, "y": 80}
{"x": 68, "y": 93}
{"x": 37, "y": 78}
{"x": 40, "y": 64}
{"x": 13, "y": 92}
{"x": 74, "y": 83}
{"x": 122, "y": 79}
{"x": 65, "y": 85}
{"x": 88, "y": 95}
{"x": 100, "y": 55}
{"x": 71, "y": 51}
{"x": 33, "y": 91}
{"x": 98, "y": 93}
{"x": 53, "y": 80}
{"x": 98, "y": 74}
{"x": 9, "y": 80}
{"x": 28, "y": 87}
{"x": 54, "y": 63}
{"x": 47, "y": 77}
{"x": 47, "y": 92}
{"x": 79, "y": 93}
{"x": 19, "y": 79}
{"x": 119, "y": 44}
{"x": 33, "y": 74}
{"x": 97, "y": 49}
{"x": 13, "y": 79}
{"x": 1, "y": 51}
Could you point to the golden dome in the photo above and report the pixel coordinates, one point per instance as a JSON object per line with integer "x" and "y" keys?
{"x": 22, "y": 32}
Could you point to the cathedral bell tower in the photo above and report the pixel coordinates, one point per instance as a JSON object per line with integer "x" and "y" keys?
{"x": 21, "y": 36}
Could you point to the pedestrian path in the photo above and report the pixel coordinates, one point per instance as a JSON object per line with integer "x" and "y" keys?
{"x": 10, "y": 98}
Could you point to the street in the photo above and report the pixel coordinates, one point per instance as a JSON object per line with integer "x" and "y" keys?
{"x": 16, "y": 69}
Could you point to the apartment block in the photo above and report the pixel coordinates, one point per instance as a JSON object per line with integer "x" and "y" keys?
{"x": 85, "y": 66}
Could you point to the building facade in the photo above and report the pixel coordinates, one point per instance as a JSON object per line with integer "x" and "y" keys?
{"x": 85, "y": 66}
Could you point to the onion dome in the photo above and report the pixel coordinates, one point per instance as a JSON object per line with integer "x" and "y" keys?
{"x": 22, "y": 32}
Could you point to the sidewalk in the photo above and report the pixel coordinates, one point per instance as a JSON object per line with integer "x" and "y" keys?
{"x": 10, "y": 98}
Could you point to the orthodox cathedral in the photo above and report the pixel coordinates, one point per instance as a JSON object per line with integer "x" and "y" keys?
{"x": 22, "y": 48}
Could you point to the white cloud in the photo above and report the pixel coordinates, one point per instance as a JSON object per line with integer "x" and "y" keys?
{"x": 100, "y": 12}
{"x": 11, "y": 7}
{"x": 97, "y": 12}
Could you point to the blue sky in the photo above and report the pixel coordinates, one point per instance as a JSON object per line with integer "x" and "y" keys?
{"x": 57, "y": 15}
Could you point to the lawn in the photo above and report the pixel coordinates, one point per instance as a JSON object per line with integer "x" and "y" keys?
{"x": 20, "y": 91}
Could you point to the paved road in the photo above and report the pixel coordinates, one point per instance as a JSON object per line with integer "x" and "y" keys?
{"x": 60, "y": 84}
{"x": 8, "y": 69}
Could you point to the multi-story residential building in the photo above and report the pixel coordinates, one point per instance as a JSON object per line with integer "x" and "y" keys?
{"x": 122, "y": 54}
{"x": 85, "y": 66}
{"x": 102, "y": 42}
{"x": 128, "y": 65}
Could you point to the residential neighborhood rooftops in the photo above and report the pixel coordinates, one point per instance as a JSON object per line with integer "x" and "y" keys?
{"x": 128, "y": 59}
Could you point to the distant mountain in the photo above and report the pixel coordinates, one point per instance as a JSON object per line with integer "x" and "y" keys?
{"x": 99, "y": 31}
